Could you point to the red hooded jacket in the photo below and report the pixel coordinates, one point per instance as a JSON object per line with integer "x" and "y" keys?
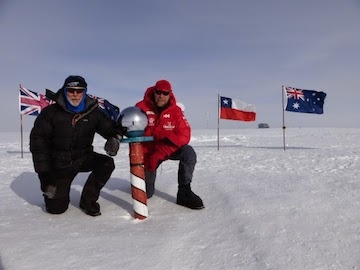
{"x": 169, "y": 127}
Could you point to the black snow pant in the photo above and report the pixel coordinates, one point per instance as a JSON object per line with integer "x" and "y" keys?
{"x": 187, "y": 157}
{"x": 101, "y": 168}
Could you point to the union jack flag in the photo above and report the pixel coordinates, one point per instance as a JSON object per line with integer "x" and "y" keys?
{"x": 100, "y": 101}
{"x": 292, "y": 92}
{"x": 31, "y": 103}
{"x": 304, "y": 101}
{"x": 109, "y": 109}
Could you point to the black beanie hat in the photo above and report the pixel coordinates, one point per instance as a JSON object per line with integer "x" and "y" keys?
{"x": 75, "y": 81}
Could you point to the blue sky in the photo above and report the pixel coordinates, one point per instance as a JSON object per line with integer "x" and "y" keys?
{"x": 240, "y": 49}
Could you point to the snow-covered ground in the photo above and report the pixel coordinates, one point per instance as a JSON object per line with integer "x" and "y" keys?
{"x": 266, "y": 208}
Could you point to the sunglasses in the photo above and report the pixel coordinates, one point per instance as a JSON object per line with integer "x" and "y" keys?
{"x": 159, "y": 92}
{"x": 77, "y": 90}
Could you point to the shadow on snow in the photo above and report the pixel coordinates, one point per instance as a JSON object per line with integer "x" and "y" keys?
{"x": 255, "y": 147}
{"x": 27, "y": 187}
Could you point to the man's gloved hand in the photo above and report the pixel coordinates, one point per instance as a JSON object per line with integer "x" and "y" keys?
{"x": 47, "y": 184}
{"x": 124, "y": 131}
{"x": 112, "y": 146}
{"x": 121, "y": 131}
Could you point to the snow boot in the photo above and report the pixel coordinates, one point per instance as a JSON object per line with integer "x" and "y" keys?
{"x": 90, "y": 208}
{"x": 56, "y": 206}
{"x": 187, "y": 198}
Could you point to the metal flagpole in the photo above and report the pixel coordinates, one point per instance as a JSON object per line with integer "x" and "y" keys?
{"x": 21, "y": 135}
{"x": 218, "y": 125}
{"x": 21, "y": 126}
{"x": 283, "y": 115}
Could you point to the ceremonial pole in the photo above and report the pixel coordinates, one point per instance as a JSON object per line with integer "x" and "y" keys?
{"x": 135, "y": 121}
{"x": 137, "y": 175}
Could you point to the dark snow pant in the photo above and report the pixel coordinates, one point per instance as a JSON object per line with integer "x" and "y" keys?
{"x": 101, "y": 168}
{"x": 187, "y": 157}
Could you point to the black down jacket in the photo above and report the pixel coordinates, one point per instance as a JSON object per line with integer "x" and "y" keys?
{"x": 61, "y": 139}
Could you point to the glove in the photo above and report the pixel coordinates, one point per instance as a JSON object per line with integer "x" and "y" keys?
{"x": 121, "y": 131}
{"x": 47, "y": 184}
{"x": 112, "y": 146}
{"x": 124, "y": 131}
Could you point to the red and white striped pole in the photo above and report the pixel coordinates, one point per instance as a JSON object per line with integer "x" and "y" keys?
{"x": 137, "y": 175}
{"x": 135, "y": 122}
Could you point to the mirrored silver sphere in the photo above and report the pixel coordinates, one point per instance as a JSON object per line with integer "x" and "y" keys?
{"x": 134, "y": 120}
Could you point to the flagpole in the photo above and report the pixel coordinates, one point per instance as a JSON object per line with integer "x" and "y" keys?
{"x": 21, "y": 127}
{"x": 21, "y": 135}
{"x": 283, "y": 115}
{"x": 218, "y": 125}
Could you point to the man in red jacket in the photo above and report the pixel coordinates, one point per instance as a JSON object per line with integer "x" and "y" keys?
{"x": 171, "y": 132}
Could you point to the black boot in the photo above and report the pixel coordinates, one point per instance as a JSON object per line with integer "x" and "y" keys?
{"x": 187, "y": 198}
{"x": 56, "y": 206}
{"x": 90, "y": 208}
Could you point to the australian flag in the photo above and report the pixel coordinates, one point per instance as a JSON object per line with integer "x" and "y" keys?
{"x": 304, "y": 101}
{"x": 109, "y": 109}
{"x": 31, "y": 103}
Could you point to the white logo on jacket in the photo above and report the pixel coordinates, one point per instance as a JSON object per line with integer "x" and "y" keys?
{"x": 168, "y": 126}
{"x": 167, "y": 115}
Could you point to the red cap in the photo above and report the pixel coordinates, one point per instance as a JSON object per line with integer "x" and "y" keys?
{"x": 163, "y": 85}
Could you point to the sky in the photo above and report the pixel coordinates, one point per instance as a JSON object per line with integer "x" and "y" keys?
{"x": 265, "y": 208}
{"x": 239, "y": 49}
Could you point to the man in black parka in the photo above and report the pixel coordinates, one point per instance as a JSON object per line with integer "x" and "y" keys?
{"x": 61, "y": 146}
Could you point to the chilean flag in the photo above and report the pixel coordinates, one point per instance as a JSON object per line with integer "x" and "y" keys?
{"x": 234, "y": 109}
